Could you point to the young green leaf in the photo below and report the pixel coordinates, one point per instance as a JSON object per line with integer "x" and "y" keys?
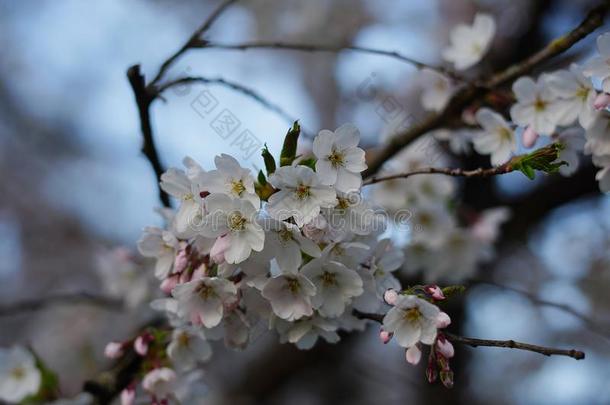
{"x": 289, "y": 149}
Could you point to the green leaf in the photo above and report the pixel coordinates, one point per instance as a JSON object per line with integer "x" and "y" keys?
{"x": 289, "y": 149}
{"x": 261, "y": 178}
{"x": 309, "y": 162}
{"x": 269, "y": 160}
{"x": 453, "y": 290}
{"x": 49, "y": 384}
{"x": 543, "y": 160}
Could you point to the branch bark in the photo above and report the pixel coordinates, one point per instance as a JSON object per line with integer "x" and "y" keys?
{"x": 84, "y": 298}
{"x": 512, "y": 344}
{"x": 334, "y": 49}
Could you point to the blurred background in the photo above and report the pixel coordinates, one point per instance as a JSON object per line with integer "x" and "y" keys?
{"x": 74, "y": 186}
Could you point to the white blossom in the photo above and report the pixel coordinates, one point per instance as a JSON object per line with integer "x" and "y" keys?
{"x": 436, "y": 89}
{"x": 286, "y": 243}
{"x": 301, "y": 194}
{"x": 19, "y": 376}
{"x": 598, "y": 136}
{"x": 336, "y": 285}
{"x": 599, "y": 66}
{"x": 187, "y": 347}
{"x": 469, "y": 43}
{"x": 536, "y": 105}
{"x": 290, "y": 296}
{"x": 412, "y": 320}
{"x": 203, "y": 300}
{"x": 340, "y": 160}
{"x": 160, "y": 382}
{"x": 575, "y": 95}
{"x": 162, "y": 245}
{"x": 234, "y": 222}
{"x": 304, "y": 333}
{"x": 497, "y": 139}
{"x": 230, "y": 179}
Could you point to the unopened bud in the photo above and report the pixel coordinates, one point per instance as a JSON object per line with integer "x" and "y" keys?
{"x": 444, "y": 347}
{"x": 385, "y": 336}
{"x": 413, "y": 355}
{"x": 113, "y": 350}
{"x": 390, "y": 296}
{"x": 602, "y": 101}
{"x": 529, "y": 137}
{"x": 442, "y": 320}
{"x": 435, "y": 292}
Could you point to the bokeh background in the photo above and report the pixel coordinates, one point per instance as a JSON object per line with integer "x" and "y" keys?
{"x": 74, "y": 186}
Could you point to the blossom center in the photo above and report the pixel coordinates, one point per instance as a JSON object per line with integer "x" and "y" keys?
{"x": 205, "y": 291}
{"x": 184, "y": 339}
{"x": 285, "y": 235}
{"x": 18, "y": 373}
{"x": 237, "y": 187}
{"x": 293, "y": 285}
{"x": 504, "y": 133}
{"x": 412, "y": 315}
{"x": 328, "y": 279}
{"x": 582, "y": 93}
{"x": 336, "y": 158}
{"x": 302, "y": 192}
{"x": 343, "y": 203}
{"x": 237, "y": 222}
{"x": 540, "y": 105}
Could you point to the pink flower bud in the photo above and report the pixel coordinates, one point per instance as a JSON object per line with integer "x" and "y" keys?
{"x": 442, "y": 320}
{"x": 390, "y": 296}
{"x": 141, "y": 344}
{"x": 385, "y": 336}
{"x": 435, "y": 292}
{"x": 444, "y": 347}
{"x": 181, "y": 261}
{"x": 601, "y": 101}
{"x": 185, "y": 277}
{"x": 169, "y": 283}
{"x": 113, "y": 350}
{"x": 413, "y": 355}
{"x": 128, "y": 395}
{"x": 529, "y": 137}
{"x": 217, "y": 253}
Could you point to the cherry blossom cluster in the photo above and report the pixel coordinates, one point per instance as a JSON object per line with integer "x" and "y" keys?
{"x": 297, "y": 249}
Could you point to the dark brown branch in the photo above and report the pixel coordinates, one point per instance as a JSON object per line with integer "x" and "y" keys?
{"x": 333, "y": 49}
{"x": 512, "y": 344}
{"x": 509, "y": 344}
{"x": 83, "y": 298}
{"x": 194, "y": 41}
{"x": 480, "y": 172}
{"x": 143, "y": 100}
{"x": 467, "y": 94}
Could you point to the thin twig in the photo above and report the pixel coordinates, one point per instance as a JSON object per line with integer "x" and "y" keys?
{"x": 512, "y": 344}
{"x": 480, "y": 172}
{"x": 333, "y": 49}
{"x": 194, "y": 41}
{"x": 83, "y": 298}
{"x": 590, "y": 323}
{"x": 467, "y": 94}
{"x": 234, "y": 86}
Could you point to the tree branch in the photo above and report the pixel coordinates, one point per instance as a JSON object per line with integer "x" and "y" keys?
{"x": 84, "y": 298}
{"x": 480, "y": 172}
{"x": 512, "y": 344}
{"x": 193, "y": 42}
{"x": 232, "y": 85}
{"x": 467, "y": 94}
{"x": 333, "y": 49}
{"x": 143, "y": 100}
